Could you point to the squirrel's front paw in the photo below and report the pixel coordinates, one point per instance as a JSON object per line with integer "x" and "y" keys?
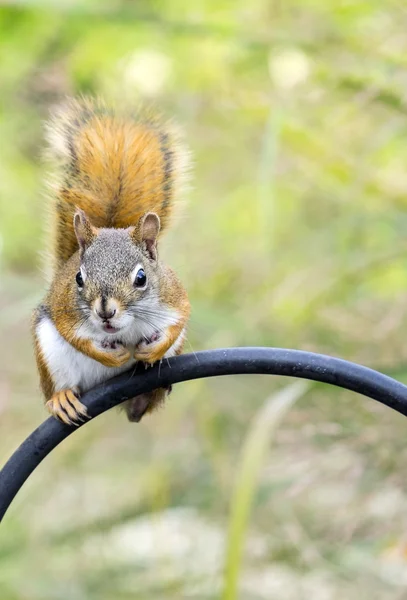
{"x": 114, "y": 354}
{"x": 150, "y": 350}
{"x": 117, "y": 357}
{"x": 66, "y": 406}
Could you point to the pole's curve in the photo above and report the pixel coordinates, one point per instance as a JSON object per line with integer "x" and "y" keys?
{"x": 210, "y": 363}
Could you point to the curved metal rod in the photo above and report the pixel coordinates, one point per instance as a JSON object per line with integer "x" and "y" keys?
{"x": 231, "y": 361}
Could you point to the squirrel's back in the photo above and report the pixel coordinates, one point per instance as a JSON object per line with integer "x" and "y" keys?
{"x": 114, "y": 166}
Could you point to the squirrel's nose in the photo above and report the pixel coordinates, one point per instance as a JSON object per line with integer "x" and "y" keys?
{"x": 105, "y": 315}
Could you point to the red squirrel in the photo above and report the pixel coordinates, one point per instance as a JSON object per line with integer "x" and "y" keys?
{"x": 111, "y": 302}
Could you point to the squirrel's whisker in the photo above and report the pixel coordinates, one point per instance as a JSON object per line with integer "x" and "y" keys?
{"x": 112, "y": 193}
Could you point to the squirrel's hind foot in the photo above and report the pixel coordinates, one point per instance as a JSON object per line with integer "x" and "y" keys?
{"x": 66, "y": 407}
{"x": 137, "y": 407}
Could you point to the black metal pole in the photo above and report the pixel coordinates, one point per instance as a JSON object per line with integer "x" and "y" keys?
{"x": 211, "y": 363}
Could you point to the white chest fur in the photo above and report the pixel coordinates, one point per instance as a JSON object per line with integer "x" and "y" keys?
{"x": 70, "y": 368}
{"x": 67, "y": 366}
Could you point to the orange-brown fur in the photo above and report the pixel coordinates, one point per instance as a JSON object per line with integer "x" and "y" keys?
{"x": 46, "y": 382}
{"x": 67, "y": 320}
{"x": 62, "y": 294}
{"x": 116, "y": 169}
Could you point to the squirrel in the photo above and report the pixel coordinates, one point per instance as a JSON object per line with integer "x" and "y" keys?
{"x": 111, "y": 302}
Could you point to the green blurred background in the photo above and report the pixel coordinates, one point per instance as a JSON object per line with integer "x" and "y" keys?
{"x": 294, "y": 235}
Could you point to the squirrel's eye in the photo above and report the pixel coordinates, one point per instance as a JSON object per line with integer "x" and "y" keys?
{"x": 79, "y": 279}
{"x": 141, "y": 278}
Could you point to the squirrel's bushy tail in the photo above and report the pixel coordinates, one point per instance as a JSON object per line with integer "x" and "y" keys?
{"x": 113, "y": 165}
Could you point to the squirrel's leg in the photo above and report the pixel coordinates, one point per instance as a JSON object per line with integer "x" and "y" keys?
{"x": 65, "y": 404}
{"x": 137, "y": 407}
{"x": 109, "y": 358}
{"x": 62, "y": 404}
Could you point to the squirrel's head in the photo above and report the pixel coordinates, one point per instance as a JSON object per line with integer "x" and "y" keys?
{"x": 118, "y": 279}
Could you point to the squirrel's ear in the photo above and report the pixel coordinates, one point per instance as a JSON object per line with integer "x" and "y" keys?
{"x": 85, "y": 232}
{"x": 147, "y": 231}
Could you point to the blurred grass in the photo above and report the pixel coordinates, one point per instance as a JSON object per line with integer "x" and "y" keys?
{"x": 254, "y": 449}
{"x": 293, "y": 235}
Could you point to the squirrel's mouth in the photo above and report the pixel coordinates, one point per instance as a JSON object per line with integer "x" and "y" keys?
{"x": 107, "y": 328}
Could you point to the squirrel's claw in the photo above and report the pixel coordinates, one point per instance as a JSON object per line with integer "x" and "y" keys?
{"x": 66, "y": 406}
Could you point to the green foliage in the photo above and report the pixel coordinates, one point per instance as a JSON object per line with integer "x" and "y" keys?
{"x": 293, "y": 235}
